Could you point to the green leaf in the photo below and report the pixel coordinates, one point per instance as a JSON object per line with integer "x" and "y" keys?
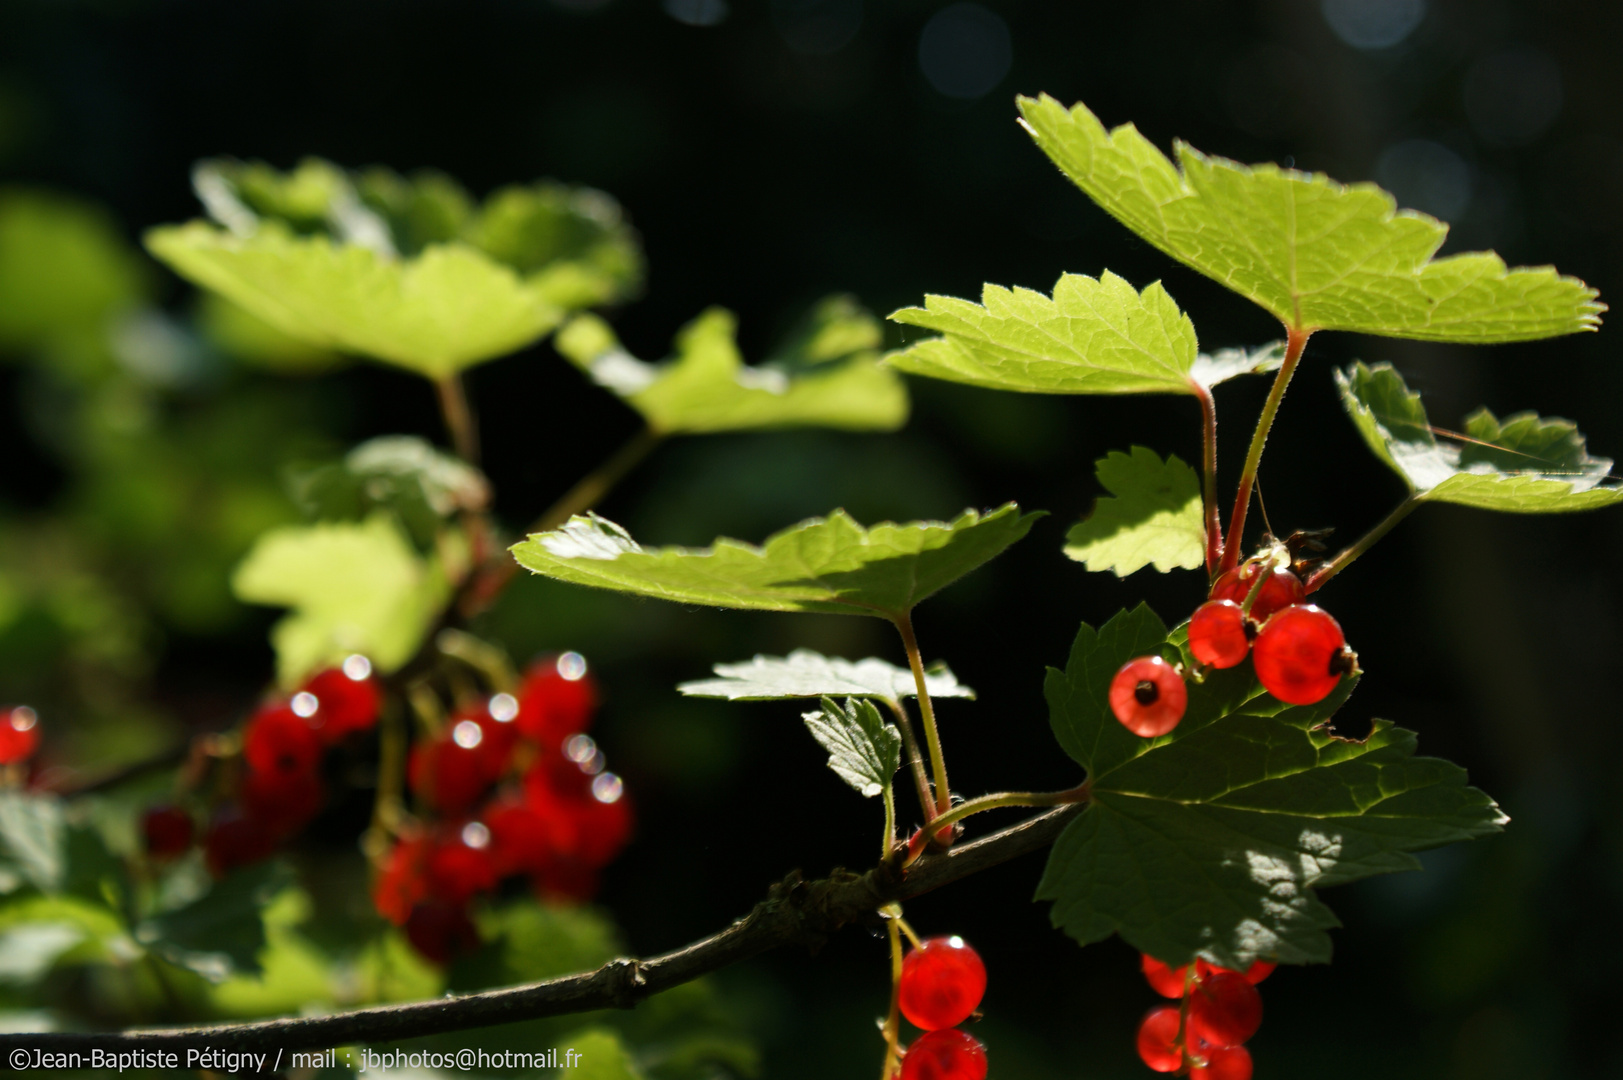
{"x": 220, "y": 933}
{"x": 1092, "y": 337}
{"x": 1210, "y": 840}
{"x": 32, "y": 832}
{"x": 39, "y": 933}
{"x": 831, "y": 565}
{"x": 863, "y": 750}
{"x": 1316, "y": 254}
{"x": 1524, "y": 465}
{"x": 601, "y": 1054}
{"x": 422, "y": 486}
{"x": 804, "y": 673}
{"x": 353, "y": 588}
{"x": 1154, "y": 517}
{"x": 528, "y": 941}
{"x": 706, "y": 387}
{"x": 1226, "y": 364}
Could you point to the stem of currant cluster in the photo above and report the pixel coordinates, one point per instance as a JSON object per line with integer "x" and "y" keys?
{"x": 979, "y": 805}
{"x": 1295, "y": 342}
{"x": 914, "y": 763}
{"x": 1208, "y": 461}
{"x": 389, "y": 805}
{"x": 1345, "y": 557}
{"x": 932, "y": 740}
{"x": 893, "y": 1021}
{"x": 458, "y": 415}
{"x": 591, "y": 488}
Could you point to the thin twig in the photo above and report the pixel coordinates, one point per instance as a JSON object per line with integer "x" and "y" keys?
{"x": 458, "y": 414}
{"x": 1344, "y": 558}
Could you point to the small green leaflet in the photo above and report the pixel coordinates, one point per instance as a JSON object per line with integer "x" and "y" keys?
{"x": 863, "y": 749}
{"x": 1091, "y": 337}
{"x": 1154, "y": 516}
{"x": 707, "y": 388}
{"x": 354, "y": 587}
{"x": 222, "y": 932}
{"x": 831, "y": 565}
{"x": 1316, "y": 254}
{"x": 1210, "y": 840}
{"x": 804, "y": 673}
{"x": 1523, "y": 465}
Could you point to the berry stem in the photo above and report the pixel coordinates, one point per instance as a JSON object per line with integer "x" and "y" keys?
{"x": 1345, "y": 557}
{"x": 1080, "y": 793}
{"x": 459, "y": 419}
{"x": 1295, "y": 342}
{"x": 932, "y": 740}
{"x": 915, "y": 763}
{"x": 1208, "y": 461}
{"x": 893, "y": 1022}
{"x": 388, "y": 806}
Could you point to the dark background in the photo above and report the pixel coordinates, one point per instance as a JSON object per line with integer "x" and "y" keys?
{"x": 775, "y": 152}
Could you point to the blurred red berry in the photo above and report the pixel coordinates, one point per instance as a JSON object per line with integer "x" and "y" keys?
{"x": 459, "y": 863}
{"x": 279, "y": 742}
{"x": 450, "y": 772}
{"x": 947, "y": 1054}
{"x": 521, "y": 840}
{"x": 1229, "y": 1063}
{"x": 1167, "y": 981}
{"x": 346, "y": 699}
{"x": 589, "y": 817}
{"x": 166, "y": 831}
{"x": 441, "y": 931}
{"x": 19, "y": 734}
{"x": 284, "y": 804}
{"x": 402, "y": 883}
{"x": 1224, "y": 1009}
{"x": 236, "y": 839}
{"x": 1258, "y": 971}
{"x": 556, "y": 699}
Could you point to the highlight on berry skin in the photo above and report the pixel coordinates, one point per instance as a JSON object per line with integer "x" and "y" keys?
{"x": 1148, "y": 696}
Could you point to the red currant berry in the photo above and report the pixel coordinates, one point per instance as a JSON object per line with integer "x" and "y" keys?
{"x": 283, "y": 804}
{"x": 451, "y": 772}
{"x": 280, "y": 742}
{"x": 236, "y": 839}
{"x": 556, "y": 700}
{"x": 1225, "y": 1010}
{"x": 947, "y": 1054}
{"x": 459, "y": 864}
{"x": 1229, "y": 1063}
{"x": 167, "y": 831}
{"x": 942, "y": 982}
{"x": 1282, "y": 589}
{"x": 1217, "y": 634}
{"x": 1258, "y": 971}
{"x": 1167, "y": 981}
{"x": 402, "y": 883}
{"x": 1148, "y": 696}
{"x": 521, "y": 839}
{"x": 589, "y": 814}
{"x": 347, "y": 699}
{"x": 1300, "y": 654}
{"x": 1158, "y": 1039}
{"x": 19, "y": 734}
{"x": 441, "y": 931}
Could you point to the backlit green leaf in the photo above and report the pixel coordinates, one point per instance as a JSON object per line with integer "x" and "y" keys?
{"x": 804, "y": 673}
{"x": 1154, "y": 516}
{"x": 1091, "y": 337}
{"x": 222, "y": 932}
{"x": 1524, "y": 465}
{"x": 353, "y": 587}
{"x": 863, "y": 750}
{"x": 831, "y": 565}
{"x": 831, "y": 379}
{"x": 598, "y": 1055}
{"x": 1316, "y": 254}
{"x": 1210, "y": 840}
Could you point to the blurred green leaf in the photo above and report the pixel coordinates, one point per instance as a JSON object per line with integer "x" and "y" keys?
{"x": 65, "y": 267}
{"x": 706, "y": 387}
{"x": 353, "y": 588}
{"x": 528, "y": 941}
{"x": 1154, "y": 516}
{"x": 1314, "y": 253}
{"x": 1210, "y": 841}
{"x": 405, "y": 475}
{"x": 804, "y": 673}
{"x": 831, "y": 565}
{"x": 40, "y": 933}
{"x": 245, "y": 337}
{"x": 573, "y": 244}
{"x": 602, "y": 1056}
{"x": 222, "y": 932}
{"x": 1093, "y": 336}
{"x": 32, "y": 829}
{"x": 863, "y": 750}
{"x": 1524, "y": 465}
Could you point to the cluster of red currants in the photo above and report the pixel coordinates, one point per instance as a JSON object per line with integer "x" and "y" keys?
{"x": 1205, "y": 1035}
{"x": 280, "y": 789}
{"x": 1297, "y": 649}
{"x": 19, "y": 734}
{"x": 510, "y": 787}
{"x": 942, "y": 983}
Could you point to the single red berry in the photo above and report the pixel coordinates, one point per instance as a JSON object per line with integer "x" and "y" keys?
{"x": 1148, "y": 696}
{"x": 1229, "y": 1063}
{"x": 1158, "y": 1039}
{"x": 1300, "y": 654}
{"x": 1225, "y": 1009}
{"x": 556, "y": 700}
{"x": 346, "y": 699}
{"x": 1282, "y": 589}
{"x": 451, "y": 772}
{"x": 1258, "y": 971}
{"x": 280, "y": 742}
{"x": 167, "y": 831}
{"x": 1217, "y": 634}
{"x": 947, "y": 1054}
{"x": 521, "y": 839}
{"x": 236, "y": 839}
{"x": 459, "y": 863}
{"x": 589, "y": 814}
{"x": 1167, "y": 981}
{"x": 284, "y": 804}
{"x": 402, "y": 882}
{"x": 942, "y": 983}
{"x": 441, "y": 931}
{"x": 19, "y": 734}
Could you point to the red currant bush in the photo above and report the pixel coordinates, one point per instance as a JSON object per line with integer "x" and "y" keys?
{"x": 947, "y": 1054}
{"x": 1158, "y": 1045}
{"x": 1300, "y": 654}
{"x": 1148, "y": 696}
{"x": 1219, "y": 635}
{"x": 942, "y": 983}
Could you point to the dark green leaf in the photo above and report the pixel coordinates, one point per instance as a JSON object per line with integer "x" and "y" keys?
{"x": 1154, "y": 517}
{"x": 863, "y": 750}
{"x": 804, "y": 673}
{"x": 221, "y": 932}
{"x": 528, "y": 941}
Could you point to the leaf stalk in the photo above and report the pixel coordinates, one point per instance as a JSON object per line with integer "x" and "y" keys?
{"x": 932, "y": 740}
{"x": 1208, "y": 462}
{"x": 1345, "y": 557}
{"x": 1295, "y": 342}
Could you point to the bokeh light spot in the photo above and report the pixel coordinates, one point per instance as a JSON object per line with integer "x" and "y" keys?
{"x": 965, "y": 51}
